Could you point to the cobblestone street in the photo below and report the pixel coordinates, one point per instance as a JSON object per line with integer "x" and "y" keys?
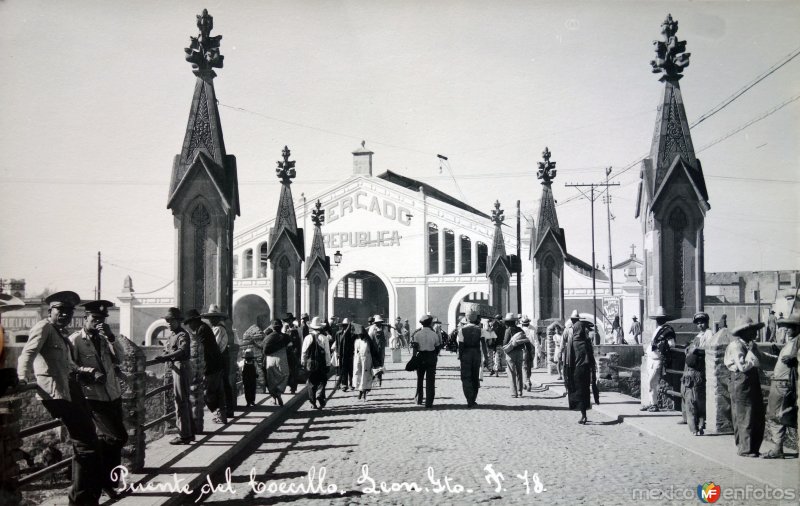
{"x": 604, "y": 462}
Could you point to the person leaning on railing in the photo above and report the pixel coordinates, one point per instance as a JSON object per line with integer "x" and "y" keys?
{"x": 782, "y": 400}
{"x": 48, "y": 354}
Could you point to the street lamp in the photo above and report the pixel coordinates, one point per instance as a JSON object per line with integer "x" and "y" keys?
{"x": 337, "y": 257}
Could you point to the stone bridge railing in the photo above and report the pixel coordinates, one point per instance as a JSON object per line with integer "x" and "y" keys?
{"x": 137, "y": 403}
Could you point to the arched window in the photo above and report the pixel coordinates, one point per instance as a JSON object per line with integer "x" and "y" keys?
{"x": 200, "y": 220}
{"x": 284, "y": 284}
{"x": 483, "y": 253}
{"x": 466, "y": 255}
{"x": 262, "y": 260}
{"x": 550, "y": 288}
{"x": 235, "y": 266}
{"x": 316, "y": 296}
{"x": 449, "y": 252}
{"x": 433, "y": 249}
{"x": 247, "y": 264}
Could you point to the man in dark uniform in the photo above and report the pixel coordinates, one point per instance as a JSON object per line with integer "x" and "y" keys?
{"x": 471, "y": 340}
{"x": 214, "y": 367}
{"x": 177, "y": 353}
{"x": 48, "y": 354}
{"x": 96, "y": 346}
{"x": 427, "y": 343}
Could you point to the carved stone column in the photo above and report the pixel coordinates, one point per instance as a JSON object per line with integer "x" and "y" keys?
{"x": 134, "y": 388}
{"x": 197, "y": 388}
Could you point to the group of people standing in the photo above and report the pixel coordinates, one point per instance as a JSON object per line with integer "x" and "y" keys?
{"x": 78, "y": 378}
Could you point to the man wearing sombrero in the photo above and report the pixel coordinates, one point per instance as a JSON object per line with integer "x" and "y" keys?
{"x": 658, "y": 354}
{"x": 743, "y": 360}
{"x": 782, "y": 400}
{"x": 216, "y": 318}
{"x": 177, "y": 353}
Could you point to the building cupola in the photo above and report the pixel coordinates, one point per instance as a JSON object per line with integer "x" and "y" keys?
{"x": 362, "y": 161}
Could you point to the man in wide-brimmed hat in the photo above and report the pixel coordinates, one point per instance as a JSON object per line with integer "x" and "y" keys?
{"x": 316, "y": 359}
{"x": 378, "y": 335}
{"x": 657, "y": 353}
{"x": 471, "y": 342}
{"x": 743, "y": 360}
{"x": 693, "y": 382}
{"x": 345, "y": 347}
{"x": 515, "y": 345}
{"x": 216, "y": 318}
{"x": 47, "y": 355}
{"x": 499, "y": 329}
{"x": 214, "y": 394}
{"x": 782, "y": 400}
{"x": 177, "y": 353}
{"x": 636, "y": 330}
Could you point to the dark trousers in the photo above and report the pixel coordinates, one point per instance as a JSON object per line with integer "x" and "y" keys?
{"x": 230, "y": 399}
{"x": 107, "y": 416}
{"x": 181, "y": 384}
{"x": 427, "y": 372}
{"x": 316, "y": 386}
{"x": 76, "y": 418}
{"x": 249, "y": 381}
{"x": 215, "y": 392}
{"x": 747, "y": 407}
{"x": 346, "y": 370}
{"x": 470, "y": 373}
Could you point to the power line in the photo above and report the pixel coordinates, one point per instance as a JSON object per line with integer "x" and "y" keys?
{"x": 747, "y": 87}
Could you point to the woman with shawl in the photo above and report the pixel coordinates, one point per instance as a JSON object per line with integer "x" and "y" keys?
{"x": 362, "y": 360}
{"x": 276, "y": 362}
{"x": 579, "y": 367}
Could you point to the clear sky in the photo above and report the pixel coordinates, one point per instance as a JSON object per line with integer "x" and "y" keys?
{"x": 95, "y": 99}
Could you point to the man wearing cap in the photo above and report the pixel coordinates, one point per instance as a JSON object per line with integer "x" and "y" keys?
{"x": 214, "y": 394}
{"x": 345, "y": 347}
{"x": 378, "y": 337}
{"x": 743, "y": 360}
{"x": 48, "y": 354}
{"x": 427, "y": 343}
{"x": 693, "y": 382}
{"x": 177, "y": 353}
{"x": 95, "y": 346}
{"x": 782, "y": 400}
{"x": 316, "y": 359}
{"x": 658, "y": 354}
{"x": 216, "y": 318}
{"x": 636, "y": 330}
{"x": 471, "y": 341}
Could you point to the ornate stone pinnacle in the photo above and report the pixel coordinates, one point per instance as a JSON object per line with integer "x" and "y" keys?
{"x": 671, "y": 57}
{"x": 318, "y": 214}
{"x": 203, "y": 51}
{"x": 547, "y": 169}
{"x": 285, "y": 170}
{"x": 497, "y": 214}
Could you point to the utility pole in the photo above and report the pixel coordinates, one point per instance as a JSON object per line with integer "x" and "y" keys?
{"x": 519, "y": 259}
{"x": 99, "y": 270}
{"x": 591, "y": 196}
{"x": 608, "y": 217}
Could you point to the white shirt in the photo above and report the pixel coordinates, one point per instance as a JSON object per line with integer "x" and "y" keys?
{"x": 221, "y": 335}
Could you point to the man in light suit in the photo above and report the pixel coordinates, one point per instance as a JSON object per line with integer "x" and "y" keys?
{"x": 48, "y": 354}
{"x": 96, "y": 346}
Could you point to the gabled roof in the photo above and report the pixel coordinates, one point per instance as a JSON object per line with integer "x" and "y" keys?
{"x": 413, "y": 184}
{"x": 203, "y": 140}
{"x": 628, "y": 261}
{"x": 228, "y": 190}
{"x": 584, "y": 268}
{"x": 317, "y": 254}
{"x": 695, "y": 178}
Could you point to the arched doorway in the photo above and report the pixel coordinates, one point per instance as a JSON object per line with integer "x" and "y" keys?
{"x": 359, "y": 295}
{"x": 478, "y": 297}
{"x": 246, "y": 311}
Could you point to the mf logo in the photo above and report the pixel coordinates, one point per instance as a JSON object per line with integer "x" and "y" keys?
{"x": 708, "y": 492}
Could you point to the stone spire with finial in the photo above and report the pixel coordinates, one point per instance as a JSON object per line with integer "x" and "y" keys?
{"x": 547, "y": 219}
{"x": 286, "y": 219}
{"x": 317, "y": 253}
{"x": 203, "y": 141}
{"x": 498, "y": 244}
